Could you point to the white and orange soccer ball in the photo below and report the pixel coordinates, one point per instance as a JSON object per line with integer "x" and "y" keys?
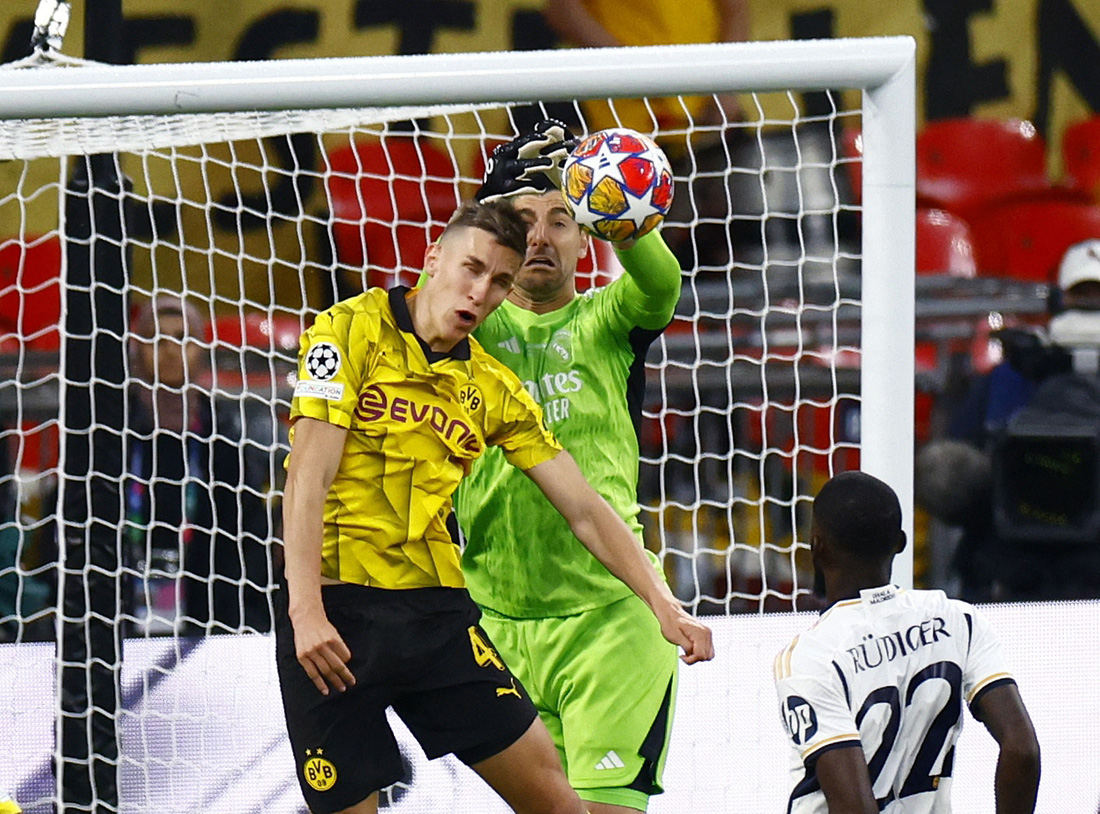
{"x": 618, "y": 184}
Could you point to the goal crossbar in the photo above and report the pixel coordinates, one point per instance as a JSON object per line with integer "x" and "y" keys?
{"x": 106, "y": 90}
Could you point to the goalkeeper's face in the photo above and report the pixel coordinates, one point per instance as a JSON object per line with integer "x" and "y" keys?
{"x": 554, "y": 245}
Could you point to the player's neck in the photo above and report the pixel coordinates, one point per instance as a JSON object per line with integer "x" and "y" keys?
{"x": 517, "y": 296}
{"x": 419, "y": 314}
{"x": 849, "y": 582}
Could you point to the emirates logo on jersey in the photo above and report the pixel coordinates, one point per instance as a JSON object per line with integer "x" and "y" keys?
{"x": 375, "y": 404}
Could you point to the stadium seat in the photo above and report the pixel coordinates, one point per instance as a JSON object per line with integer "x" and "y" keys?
{"x": 30, "y": 314}
{"x": 963, "y": 164}
{"x": 389, "y": 199}
{"x": 30, "y": 292}
{"x": 1024, "y": 240}
{"x": 1081, "y": 157}
{"x": 944, "y": 244}
{"x": 945, "y": 249}
{"x": 277, "y": 333}
{"x": 254, "y": 352}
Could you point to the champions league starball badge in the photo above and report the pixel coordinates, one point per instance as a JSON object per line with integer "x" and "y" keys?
{"x": 322, "y": 361}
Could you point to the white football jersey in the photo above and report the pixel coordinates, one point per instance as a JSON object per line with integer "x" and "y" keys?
{"x": 890, "y": 671}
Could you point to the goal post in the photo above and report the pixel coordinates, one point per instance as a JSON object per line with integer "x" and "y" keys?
{"x": 256, "y": 198}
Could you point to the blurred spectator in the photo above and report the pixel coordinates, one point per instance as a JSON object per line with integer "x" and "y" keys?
{"x": 1020, "y": 472}
{"x": 603, "y": 23}
{"x": 197, "y": 522}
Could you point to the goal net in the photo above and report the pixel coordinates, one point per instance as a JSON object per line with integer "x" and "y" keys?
{"x": 162, "y": 251}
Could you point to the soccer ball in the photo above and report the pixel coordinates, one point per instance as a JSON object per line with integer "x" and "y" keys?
{"x": 618, "y": 184}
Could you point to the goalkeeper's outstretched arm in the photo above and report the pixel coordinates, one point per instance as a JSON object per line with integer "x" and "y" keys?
{"x": 654, "y": 277}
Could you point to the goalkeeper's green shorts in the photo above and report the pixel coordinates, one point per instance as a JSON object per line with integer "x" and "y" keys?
{"x": 604, "y": 683}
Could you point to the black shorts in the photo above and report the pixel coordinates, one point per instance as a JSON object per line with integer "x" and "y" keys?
{"x": 420, "y": 651}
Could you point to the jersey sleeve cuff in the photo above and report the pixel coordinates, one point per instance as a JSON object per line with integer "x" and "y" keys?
{"x": 527, "y": 457}
{"x": 835, "y": 742}
{"x": 994, "y": 681}
{"x": 320, "y": 410}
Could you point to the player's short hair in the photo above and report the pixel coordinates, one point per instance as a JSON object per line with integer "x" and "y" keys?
{"x": 498, "y": 217}
{"x": 859, "y": 514}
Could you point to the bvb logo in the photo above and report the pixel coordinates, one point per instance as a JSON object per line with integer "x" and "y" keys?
{"x": 470, "y": 398}
{"x": 319, "y": 773}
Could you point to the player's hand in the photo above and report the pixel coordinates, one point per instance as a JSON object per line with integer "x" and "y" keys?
{"x": 689, "y": 633}
{"x": 529, "y": 164}
{"x": 322, "y": 653}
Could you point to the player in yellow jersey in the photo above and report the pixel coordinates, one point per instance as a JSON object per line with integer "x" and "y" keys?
{"x": 394, "y": 403}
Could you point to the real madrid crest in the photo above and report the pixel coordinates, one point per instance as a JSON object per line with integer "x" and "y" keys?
{"x": 562, "y": 345}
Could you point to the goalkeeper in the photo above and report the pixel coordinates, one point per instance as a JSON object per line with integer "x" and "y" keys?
{"x": 589, "y": 652}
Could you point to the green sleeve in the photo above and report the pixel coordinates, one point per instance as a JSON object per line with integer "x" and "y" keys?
{"x": 652, "y": 281}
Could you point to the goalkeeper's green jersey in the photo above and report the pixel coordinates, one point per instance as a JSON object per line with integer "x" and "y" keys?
{"x": 584, "y": 363}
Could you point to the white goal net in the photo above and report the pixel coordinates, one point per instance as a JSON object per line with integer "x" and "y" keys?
{"x": 160, "y": 256}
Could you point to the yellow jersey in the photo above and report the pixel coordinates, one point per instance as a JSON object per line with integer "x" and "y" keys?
{"x": 416, "y": 421}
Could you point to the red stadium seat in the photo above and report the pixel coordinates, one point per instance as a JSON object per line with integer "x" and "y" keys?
{"x": 944, "y": 247}
{"x": 963, "y": 164}
{"x": 30, "y": 292}
{"x": 1081, "y": 156}
{"x": 278, "y": 334}
{"x": 30, "y": 314}
{"x": 254, "y": 351}
{"x": 389, "y": 199}
{"x": 944, "y": 244}
{"x": 1025, "y": 240}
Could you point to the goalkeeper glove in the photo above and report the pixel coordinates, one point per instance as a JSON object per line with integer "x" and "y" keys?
{"x": 530, "y": 164}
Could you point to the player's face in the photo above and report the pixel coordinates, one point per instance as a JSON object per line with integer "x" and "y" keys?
{"x": 554, "y": 245}
{"x": 470, "y": 274}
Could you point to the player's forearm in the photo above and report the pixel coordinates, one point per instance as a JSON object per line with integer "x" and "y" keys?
{"x": 655, "y": 274}
{"x": 599, "y": 528}
{"x": 1017, "y": 778}
{"x": 842, "y": 774}
{"x": 1016, "y": 781}
{"x": 612, "y": 542}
